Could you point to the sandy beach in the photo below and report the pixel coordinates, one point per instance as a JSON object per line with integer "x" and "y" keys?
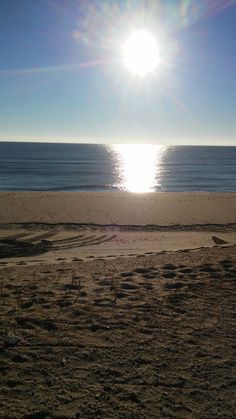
{"x": 117, "y": 208}
{"x": 117, "y": 305}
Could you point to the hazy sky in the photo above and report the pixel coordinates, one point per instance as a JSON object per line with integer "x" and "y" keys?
{"x": 62, "y": 77}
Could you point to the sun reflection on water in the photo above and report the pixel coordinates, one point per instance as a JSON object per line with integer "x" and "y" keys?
{"x": 137, "y": 166}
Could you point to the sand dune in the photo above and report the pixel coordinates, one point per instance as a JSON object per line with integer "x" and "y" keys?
{"x": 118, "y": 208}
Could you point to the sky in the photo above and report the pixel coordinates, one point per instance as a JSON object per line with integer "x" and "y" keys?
{"x": 63, "y": 78}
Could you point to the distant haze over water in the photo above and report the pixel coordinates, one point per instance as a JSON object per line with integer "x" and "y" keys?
{"x": 134, "y": 168}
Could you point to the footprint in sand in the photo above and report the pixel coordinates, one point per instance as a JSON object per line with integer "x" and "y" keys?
{"x": 147, "y": 287}
{"x": 174, "y": 286}
{"x": 169, "y": 267}
{"x": 127, "y": 274}
{"x": 186, "y": 270}
{"x": 150, "y": 275}
{"x": 128, "y": 286}
{"x": 169, "y": 275}
{"x": 121, "y": 294}
{"x": 142, "y": 270}
{"x": 104, "y": 282}
{"x": 27, "y": 304}
{"x": 135, "y": 297}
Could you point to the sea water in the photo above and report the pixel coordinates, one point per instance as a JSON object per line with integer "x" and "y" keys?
{"x": 135, "y": 168}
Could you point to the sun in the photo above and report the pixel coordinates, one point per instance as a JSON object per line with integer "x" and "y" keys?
{"x": 141, "y": 53}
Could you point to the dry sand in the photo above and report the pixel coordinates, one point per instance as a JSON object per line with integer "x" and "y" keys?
{"x": 117, "y": 321}
{"x": 120, "y": 208}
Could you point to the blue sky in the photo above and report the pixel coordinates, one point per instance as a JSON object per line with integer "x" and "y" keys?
{"x": 62, "y": 76}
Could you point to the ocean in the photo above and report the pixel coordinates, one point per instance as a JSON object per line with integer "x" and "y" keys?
{"x": 135, "y": 168}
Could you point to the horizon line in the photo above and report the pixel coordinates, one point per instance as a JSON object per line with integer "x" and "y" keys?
{"x": 202, "y": 143}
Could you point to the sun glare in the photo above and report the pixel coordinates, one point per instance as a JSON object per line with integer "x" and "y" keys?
{"x": 138, "y": 166}
{"x": 141, "y": 53}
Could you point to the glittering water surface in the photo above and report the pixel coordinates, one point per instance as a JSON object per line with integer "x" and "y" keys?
{"x": 137, "y": 166}
{"x": 134, "y": 168}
